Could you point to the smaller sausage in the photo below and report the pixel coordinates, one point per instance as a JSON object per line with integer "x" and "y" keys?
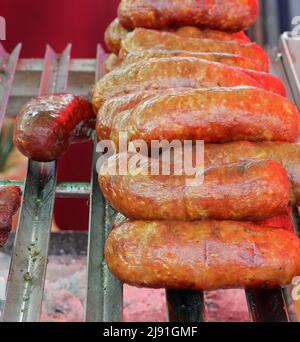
{"x": 47, "y": 125}
{"x": 141, "y": 40}
{"x": 202, "y": 255}
{"x": 250, "y": 191}
{"x": 10, "y": 199}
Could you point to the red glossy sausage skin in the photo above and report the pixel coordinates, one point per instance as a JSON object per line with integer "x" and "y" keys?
{"x": 141, "y": 40}
{"x": 214, "y": 115}
{"x": 115, "y": 33}
{"x": 202, "y": 255}
{"x": 10, "y": 198}
{"x": 47, "y": 125}
{"x": 229, "y": 15}
{"x": 251, "y": 191}
{"x": 160, "y": 73}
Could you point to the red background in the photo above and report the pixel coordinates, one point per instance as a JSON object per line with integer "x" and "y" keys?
{"x": 36, "y": 23}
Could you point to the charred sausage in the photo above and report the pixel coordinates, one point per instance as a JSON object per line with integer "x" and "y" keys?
{"x": 228, "y": 15}
{"x": 47, "y": 125}
{"x": 202, "y": 255}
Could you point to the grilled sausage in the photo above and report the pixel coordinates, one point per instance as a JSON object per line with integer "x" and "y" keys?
{"x": 115, "y": 33}
{"x": 250, "y": 191}
{"x": 225, "y": 15}
{"x": 214, "y": 115}
{"x": 47, "y": 125}
{"x": 141, "y": 40}
{"x": 10, "y": 198}
{"x": 163, "y": 73}
{"x": 202, "y": 255}
{"x": 224, "y": 58}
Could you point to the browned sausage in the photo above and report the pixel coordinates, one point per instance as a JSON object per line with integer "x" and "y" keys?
{"x": 202, "y": 255}
{"x": 164, "y": 73}
{"x": 115, "y": 33}
{"x": 47, "y": 125}
{"x": 224, "y": 58}
{"x": 225, "y": 15}
{"x": 10, "y": 198}
{"x": 140, "y": 40}
{"x": 213, "y": 115}
{"x": 249, "y": 191}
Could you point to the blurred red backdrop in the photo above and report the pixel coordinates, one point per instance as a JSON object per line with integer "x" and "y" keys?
{"x": 36, "y": 23}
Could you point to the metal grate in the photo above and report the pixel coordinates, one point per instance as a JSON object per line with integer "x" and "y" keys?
{"x": 30, "y": 252}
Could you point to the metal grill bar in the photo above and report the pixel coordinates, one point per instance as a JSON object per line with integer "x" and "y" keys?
{"x": 185, "y": 306}
{"x": 104, "y": 291}
{"x": 27, "y": 273}
{"x": 8, "y": 68}
{"x": 63, "y": 189}
{"x": 267, "y": 306}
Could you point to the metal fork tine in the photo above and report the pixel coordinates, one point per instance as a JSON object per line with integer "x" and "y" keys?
{"x": 27, "y": 273}
{"x": 9, "y": 74}
{"x": 104, "y": 291}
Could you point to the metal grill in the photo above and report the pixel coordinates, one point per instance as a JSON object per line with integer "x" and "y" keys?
{"x": 27, "y": 273}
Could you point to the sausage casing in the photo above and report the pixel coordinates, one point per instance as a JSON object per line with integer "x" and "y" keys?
{"x": 202, "y": 255}
{"x": 224, "y": 58}
{"x": 115, "y": 33}
{"x": 228, "y": 15}
{"x": 214, "y": 115}
{"x": 141, "y": 40}
{"x": 249, "y": 191}
{"x": 178, "y": 72}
